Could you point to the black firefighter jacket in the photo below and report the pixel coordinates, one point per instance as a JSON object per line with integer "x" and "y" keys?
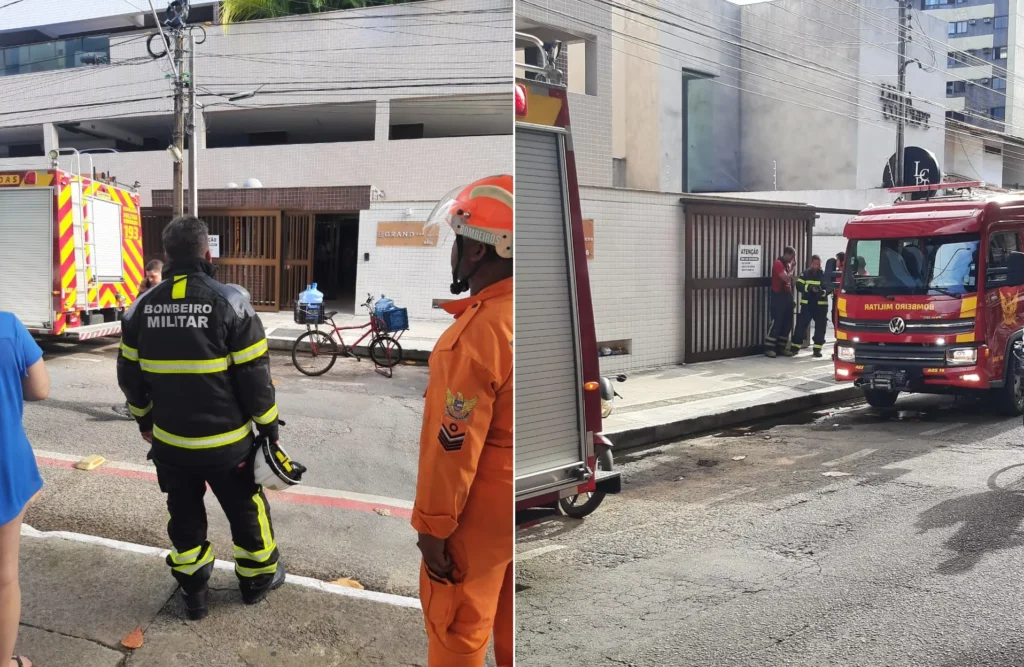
{"x": 195, "y": 369}
{"x": 812, "y": 286}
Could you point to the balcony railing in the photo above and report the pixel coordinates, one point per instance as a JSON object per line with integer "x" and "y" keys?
{"x": 59, "y": 54}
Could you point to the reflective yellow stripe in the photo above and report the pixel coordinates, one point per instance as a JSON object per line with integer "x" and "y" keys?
{"x": 129, "y": 353}
{"x": 255, "y": 571}
{"x": 206, "y": 442}
{"x": 812, "y": 282}
{"x": 184, "y": 366}
{"x": 140, "y": 412}
{"x": 178, "y": 291}
{"x": 248, "y": 354}
{"x": 187, "y": 557}
{"x": 198, "y": 565}
{"x": 268, "y": 416}
{"x": 261, "y": 516}
{"x": 260, "y": 556}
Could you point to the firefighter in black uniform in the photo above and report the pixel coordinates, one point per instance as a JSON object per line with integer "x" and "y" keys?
{"x": 195, "y": 369}
{"x": 813, "y": 306}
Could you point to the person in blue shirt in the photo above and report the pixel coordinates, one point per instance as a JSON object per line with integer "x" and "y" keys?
{"x": 23, "y": 377}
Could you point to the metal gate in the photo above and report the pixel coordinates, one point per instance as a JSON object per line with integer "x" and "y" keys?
{"x": 724, "y": 315}
{"x": 250, "y": 244}
{"x": 297, "y": 255}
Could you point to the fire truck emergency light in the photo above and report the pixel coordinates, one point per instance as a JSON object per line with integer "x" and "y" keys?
{"x": 521, "y": 105}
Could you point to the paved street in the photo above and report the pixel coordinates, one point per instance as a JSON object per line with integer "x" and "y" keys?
{"x": 907, "y": 553}
{"x": 356, "y": 431}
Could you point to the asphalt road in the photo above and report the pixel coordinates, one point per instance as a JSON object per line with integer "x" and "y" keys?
{"x": 355, "y": 430}
{"x": 852, "y": 537}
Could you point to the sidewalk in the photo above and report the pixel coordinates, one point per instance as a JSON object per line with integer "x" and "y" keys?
{"x": 672, "y": 403}
{"x": 81, "y": 599}
{"x": 416, "y": 343}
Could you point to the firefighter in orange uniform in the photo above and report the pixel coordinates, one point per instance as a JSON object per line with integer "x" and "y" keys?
{"x": 464, "y": 497}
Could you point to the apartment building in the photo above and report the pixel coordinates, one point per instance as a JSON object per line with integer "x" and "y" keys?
{"x": 983, "y": 96}
{"x": 314, "y": 122}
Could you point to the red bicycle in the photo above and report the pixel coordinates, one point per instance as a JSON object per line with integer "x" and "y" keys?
{"x": 315, "y": 351}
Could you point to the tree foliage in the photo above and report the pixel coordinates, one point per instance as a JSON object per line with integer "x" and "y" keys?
{"x": 236, "y": 11}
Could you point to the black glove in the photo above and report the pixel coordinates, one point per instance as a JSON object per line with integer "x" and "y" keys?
{"x": 269, "y": 431}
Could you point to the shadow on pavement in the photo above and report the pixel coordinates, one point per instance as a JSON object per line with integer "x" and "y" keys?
{"x": 97, "y": 412}
{"x": 989, "y": 522}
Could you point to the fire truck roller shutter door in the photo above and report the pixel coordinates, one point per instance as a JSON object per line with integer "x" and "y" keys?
{"x": 547, "y": 373}
{"x": 26, "y": 254}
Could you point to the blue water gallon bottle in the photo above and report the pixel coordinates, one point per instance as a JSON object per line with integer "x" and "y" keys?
{"x": 314, "y": 295}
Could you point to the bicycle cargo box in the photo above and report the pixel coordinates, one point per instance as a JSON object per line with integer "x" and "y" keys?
{"x": 395, "y": 319}
{"x": 309, "y": 313}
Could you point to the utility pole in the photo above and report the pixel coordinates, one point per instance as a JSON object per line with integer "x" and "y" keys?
{"x": 178, "y": 203}
{"x": 901, "y": 86}
{"x": 193, "y": 142}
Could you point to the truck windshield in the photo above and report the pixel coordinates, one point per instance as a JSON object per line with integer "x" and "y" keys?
{"x": 925, "y": 265}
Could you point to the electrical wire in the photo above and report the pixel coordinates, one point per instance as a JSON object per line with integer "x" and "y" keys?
{"x": 811, "y": 105}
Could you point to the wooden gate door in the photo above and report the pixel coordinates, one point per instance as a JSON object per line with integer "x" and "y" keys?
{"x": 250, "y": 253}
{"x": 153, "y": 223}
{"x": 297, "y": 255}
{"x": 725, "y": 315}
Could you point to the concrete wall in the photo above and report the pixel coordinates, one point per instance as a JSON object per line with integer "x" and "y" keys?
{"x": 413, "y": 277}
{"x": 636, "y": 276}
{"x": 404, "y": 170}
{"x": 649, "y": 118}
{"x": 965, "y": 155}
{"x": 360, "y": 54}
{"x": 591, "y": 115}
{"x": 824, "y": 127}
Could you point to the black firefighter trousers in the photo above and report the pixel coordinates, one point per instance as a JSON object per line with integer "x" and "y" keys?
{"x": 780, "y": 308}
{"x": 244, "y": 504}
{"x": 811, "y": 312}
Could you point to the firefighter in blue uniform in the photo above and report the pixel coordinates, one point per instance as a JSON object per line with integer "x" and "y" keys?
{"x": 813, "y": 307}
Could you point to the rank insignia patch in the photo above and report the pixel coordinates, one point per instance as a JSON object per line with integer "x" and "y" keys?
{"x": 451, "y": 436}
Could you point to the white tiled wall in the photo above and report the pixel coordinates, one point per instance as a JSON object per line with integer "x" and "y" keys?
{"x": 413, "y": 277}
{"x": 636, "y": 276}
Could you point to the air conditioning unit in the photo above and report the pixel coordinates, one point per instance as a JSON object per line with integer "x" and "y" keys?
{"x": 985, "y": 81}
{"x": 972, "y": 21}
{"x": 988, "y": 20}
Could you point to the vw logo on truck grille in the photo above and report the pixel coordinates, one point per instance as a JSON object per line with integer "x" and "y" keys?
{"x": 897, "y": 325}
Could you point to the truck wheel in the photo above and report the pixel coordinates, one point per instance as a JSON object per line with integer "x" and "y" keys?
{"x": 878, "y": 398}
{"x": 584, "y": 504}
{"x": 1010, "y": 399}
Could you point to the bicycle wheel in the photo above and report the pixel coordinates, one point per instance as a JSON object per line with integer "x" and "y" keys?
{"x": 314, "y": 353}
{"x": 385, "y": 351}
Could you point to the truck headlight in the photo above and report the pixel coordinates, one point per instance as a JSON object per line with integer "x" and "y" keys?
{"x": 845, "y": 353}
{"x": 962, "y": 356}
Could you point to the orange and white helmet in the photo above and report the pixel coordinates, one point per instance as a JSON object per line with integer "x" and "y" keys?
{"x": 481, "y": 211}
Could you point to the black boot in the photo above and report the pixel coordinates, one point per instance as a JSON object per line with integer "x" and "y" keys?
{"x": 252, "y": 596}
{"x": 196, "y": 604}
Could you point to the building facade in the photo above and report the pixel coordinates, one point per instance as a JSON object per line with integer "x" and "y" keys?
{"x": 983, "y": 95}
{"x": 390, "y": 100}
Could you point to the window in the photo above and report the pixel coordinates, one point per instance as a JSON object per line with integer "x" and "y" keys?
{"x": 956, "y": 87}
{"x": 986, "y": 54}
{"x": 929, "y": 265}
{"x": 993, "y": 150}
{"x": 998, "y": 113}
{"x": 998, "y": 83}
{"x": 1000, "y": 245}
{"x": 1001, "y": 22}
{"x": 60, "y": 54}
{"x": 958, "y": 27}
{"x": 954, "y": 58}
{"x": 1001, "y": 53}
{"x": 955, "y": 115}
{"x": 934, "y": 3}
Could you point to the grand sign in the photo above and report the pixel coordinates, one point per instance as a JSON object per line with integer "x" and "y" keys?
{"x": 890, "y": 97}
{"x": 404, "y": 234}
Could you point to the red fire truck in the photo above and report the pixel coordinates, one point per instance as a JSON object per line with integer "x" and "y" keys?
{"x": 558, "y": 403}
{"x": 70, "y": 251}
{"x": 930, "y": 298}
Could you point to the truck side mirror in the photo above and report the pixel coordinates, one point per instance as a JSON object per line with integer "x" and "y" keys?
{"x": 833, "y": 277}
{"x": 1015, "y": 269}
